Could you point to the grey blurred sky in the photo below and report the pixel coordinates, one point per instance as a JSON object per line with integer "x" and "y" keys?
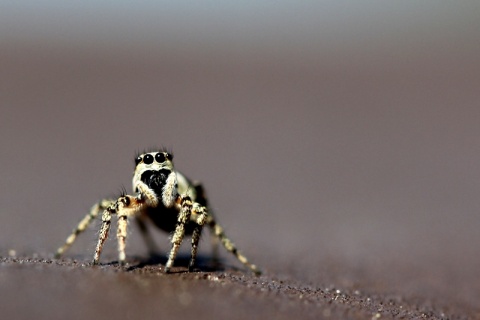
{"x": 279, "y": 24}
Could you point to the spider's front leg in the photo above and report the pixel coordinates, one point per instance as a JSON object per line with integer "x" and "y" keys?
{"x": 124, "y": 207}
{"x": 199, "y": 215}
{"x": 189, "y": 211}
{"x": 177, "y": 238}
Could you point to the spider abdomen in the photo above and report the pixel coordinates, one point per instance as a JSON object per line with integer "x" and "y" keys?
{"x": 166, "y": 219}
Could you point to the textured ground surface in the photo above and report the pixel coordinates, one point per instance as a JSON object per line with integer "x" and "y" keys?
{"x": 345, "y": 164}
{"x": 69, "y": 289}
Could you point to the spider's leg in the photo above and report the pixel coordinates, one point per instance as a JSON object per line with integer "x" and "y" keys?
{"x": 125, "y": 206}
{"x": 183, "y": 218}
{"x": 214, "y": 243}
{"x": 229, "y": 245}
{"x": 215, "y": 255}
{"x": 199, "y": 219}
{"x": 83, "y": 225}
{"x": 147, "y": 237}
{"x": 201, "y": 198}
{"x": 122, "y": 235}
{"x": 106, "y": 219}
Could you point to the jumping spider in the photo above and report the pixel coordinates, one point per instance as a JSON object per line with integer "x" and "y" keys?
{"x": 164, "y": 197}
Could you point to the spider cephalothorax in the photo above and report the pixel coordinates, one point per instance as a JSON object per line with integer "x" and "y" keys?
{"x": 164, "y": 197}
{"x": 155, "y": 171}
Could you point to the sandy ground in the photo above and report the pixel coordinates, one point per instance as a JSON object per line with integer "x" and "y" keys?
{"x": 46, "y": 288}
{"x": 351, "y": 179}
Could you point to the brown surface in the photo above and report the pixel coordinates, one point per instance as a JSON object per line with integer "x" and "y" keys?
{"x": 73, "y": 290}
{"x": 353, "y": 169}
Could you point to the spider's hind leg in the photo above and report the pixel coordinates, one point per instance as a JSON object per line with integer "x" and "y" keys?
{"x": 147, "y": 237}
{"x": 83, "y": 225}
{"x": 217, "y": 230}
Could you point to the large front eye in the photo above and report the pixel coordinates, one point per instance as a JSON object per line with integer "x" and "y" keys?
{"x": 160, "y": 157}
{"x": 148, "y": 159}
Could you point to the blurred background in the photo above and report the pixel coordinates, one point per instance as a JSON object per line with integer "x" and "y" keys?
{"x": 322, "y": 131}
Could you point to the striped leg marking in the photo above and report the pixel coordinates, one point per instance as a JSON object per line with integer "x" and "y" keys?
{"x": 83, "y": 225}
{"x": 230, "y": 246}
{"x": 124, "y": 207}
{"x": 179, "y": 234}
{"x": 201, "y": 212}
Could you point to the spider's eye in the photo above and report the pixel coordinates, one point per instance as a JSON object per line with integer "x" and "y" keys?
{"x": 138, "y": 160}
{"x": 148, "y": 159}
{"x": 160, "y": 157}
{"x": 170, "y": 156}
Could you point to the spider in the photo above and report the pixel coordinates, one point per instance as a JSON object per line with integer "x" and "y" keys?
{"x": 164, "y": 197}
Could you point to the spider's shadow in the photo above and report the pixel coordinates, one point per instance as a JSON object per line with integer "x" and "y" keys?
{"x": 203, "y": 263}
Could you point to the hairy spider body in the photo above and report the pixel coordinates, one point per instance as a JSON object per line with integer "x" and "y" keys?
{"x": 166, "y": 218}
{"x": 167, "y": 199}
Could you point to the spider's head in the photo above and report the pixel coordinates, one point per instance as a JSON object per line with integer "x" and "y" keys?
{"x": 155, "y": 170}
